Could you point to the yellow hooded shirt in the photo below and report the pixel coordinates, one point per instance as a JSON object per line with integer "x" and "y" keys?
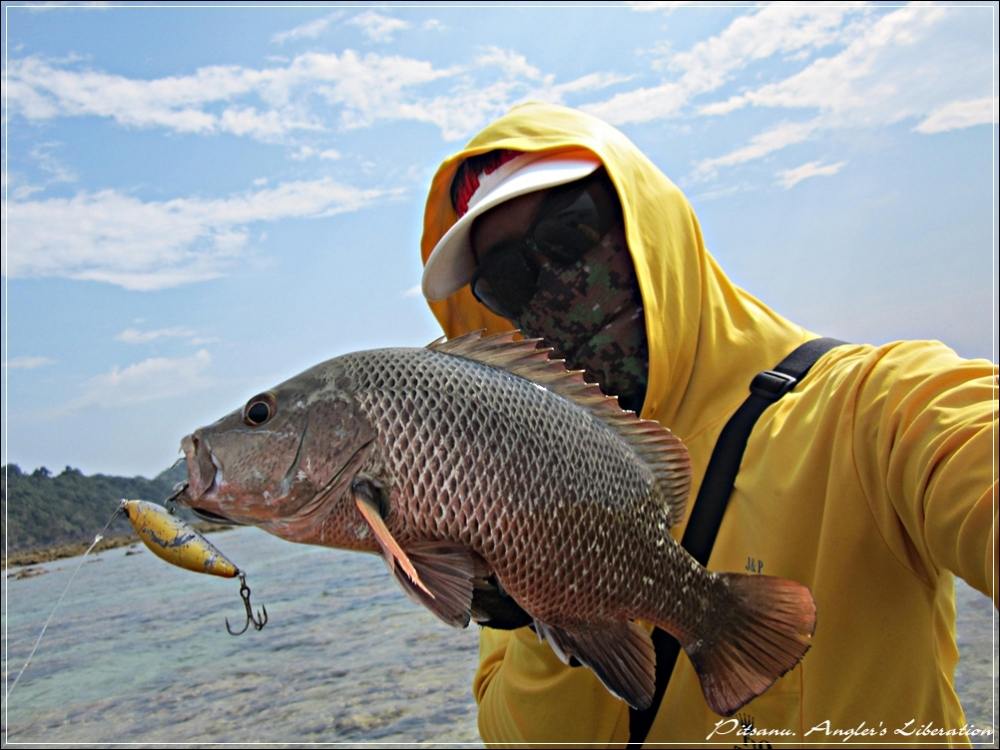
{"x": 873, "y": 482}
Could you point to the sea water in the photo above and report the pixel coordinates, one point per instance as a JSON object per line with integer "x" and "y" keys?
{"x": 138, "y": 652}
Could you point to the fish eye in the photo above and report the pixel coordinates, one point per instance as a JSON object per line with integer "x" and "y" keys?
{"x": 259, "y": 409}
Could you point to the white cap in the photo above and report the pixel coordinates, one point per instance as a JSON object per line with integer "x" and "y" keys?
{"x": 451, "y": 264}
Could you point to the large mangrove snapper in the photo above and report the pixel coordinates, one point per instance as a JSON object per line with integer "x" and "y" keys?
{"x": 480, "y": 458}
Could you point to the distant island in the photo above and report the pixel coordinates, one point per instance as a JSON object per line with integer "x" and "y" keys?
{"x": 56, "y": 515}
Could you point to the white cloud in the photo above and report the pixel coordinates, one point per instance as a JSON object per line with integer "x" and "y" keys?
{"x": 555, "y": 92}
{"x": 27, "y": 363}
{"x": 16, "y": 185}
{"x": 778, "y": 28}
{"x": 642, "y": 104}
{"x": 413, "y": 291}
{"x": 366, "y": 88}
{"x": 788, "y": 178}
{"x": 273, "y": 104}
{"x": 48, "y": 163}
{"x": 308, "y": 30}
{"x": 908, "y": 63}
{"x": 762, "y": 144}
{"x": 433, "y": 24}
{"x": 118, "y": 239}
{"x": 866, "y": 70}
{"x": 889, "y": 68}
{"x": 372, "y": 87}
{"x": 22, "y": 192}
{"x": 464, "y": 108}
{"x": 512, "y": 64}
{"x": 148, "y": 380}
{"x": 263, "y": 126}
{"x": 377, "y": 27}
{"x": 135, "y": 336}
{"x": 302, "y": 153}
{"x": 471, "y": 103}
{"x": 38, "y": 89}
{"x": 719, "y": 192}
{"x": 731, "y": 104}
{"x": 960, "y": 114}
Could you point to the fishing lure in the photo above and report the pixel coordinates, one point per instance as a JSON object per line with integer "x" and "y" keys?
{"x": 170, "y": 539}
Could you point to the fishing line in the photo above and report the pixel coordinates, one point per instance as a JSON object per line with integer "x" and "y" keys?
{"x": 98, "y": 538}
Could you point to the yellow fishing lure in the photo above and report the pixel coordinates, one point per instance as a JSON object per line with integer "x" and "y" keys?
{"x": 172, "y": 540}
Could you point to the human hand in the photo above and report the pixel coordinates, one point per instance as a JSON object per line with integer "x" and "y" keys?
{"x": 492, "y": 607}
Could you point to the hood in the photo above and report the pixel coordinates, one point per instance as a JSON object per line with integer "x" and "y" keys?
{"x": 707, "y": 337}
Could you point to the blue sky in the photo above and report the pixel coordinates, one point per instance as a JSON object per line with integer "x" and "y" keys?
{"x": 200, "y": 202}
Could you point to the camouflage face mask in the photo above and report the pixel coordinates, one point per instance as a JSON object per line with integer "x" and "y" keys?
{"x": 569, "y": 280}
{"x": 591, "y": 312}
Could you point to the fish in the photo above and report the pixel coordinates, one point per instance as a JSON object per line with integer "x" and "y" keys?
{"x": 170, "y": 539}
{"x": 481, "y": 462}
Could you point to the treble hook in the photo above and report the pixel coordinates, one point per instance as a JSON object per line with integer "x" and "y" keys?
{"x": 259, "y": 621}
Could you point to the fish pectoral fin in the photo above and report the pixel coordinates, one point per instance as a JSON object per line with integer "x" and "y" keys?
{"x": 621, "y": 654}
{"x": 439, "y": 575}
{"x": 370, "y": 499}
{"x": 451, "y": 572}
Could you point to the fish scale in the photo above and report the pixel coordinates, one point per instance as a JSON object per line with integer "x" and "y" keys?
{"x": 480, "y": 459}
{"x": 509, "y": 485}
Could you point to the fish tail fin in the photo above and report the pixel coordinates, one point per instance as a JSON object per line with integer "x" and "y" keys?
{"x": 765, "y": 631}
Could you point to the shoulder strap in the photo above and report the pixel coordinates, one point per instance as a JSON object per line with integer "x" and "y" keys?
{"x": 706, "y": 516}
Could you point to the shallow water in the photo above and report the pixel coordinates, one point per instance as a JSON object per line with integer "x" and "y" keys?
{"x": 138, "y": 652}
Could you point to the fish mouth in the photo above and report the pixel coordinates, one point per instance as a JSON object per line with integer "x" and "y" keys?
{"x": 181, "y": 496}
{"x": 205, "y": 515}
{"x": 202, "y": 467}
{"x": 204, "y": 479}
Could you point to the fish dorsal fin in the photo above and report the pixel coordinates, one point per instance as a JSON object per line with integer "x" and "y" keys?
{"x": 661, "y": 450}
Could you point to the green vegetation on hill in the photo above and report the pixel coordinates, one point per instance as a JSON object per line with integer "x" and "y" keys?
{"x": 43, "y": 509}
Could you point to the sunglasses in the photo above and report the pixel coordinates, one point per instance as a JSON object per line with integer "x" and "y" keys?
{"x": 571, "y": 220}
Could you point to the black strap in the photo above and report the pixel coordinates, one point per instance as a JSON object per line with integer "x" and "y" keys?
{"x": 706, "y": 516}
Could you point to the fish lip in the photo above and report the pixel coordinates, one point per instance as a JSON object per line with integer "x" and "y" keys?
{"x": 202, "y": 465}
{"x": 183, "y": 495}
{"x": 183, "y": 498}
{"x": 206, "y": 515}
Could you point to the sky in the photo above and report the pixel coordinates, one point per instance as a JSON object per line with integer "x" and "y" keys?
{"x": 200, "y": 202}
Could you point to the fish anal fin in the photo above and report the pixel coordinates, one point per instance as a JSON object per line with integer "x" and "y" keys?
{"x": 620, "y": 653}
{"x": 450, "y": 573}
{"x": 368, "y": 497}
{"x": 769, "y": 626}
